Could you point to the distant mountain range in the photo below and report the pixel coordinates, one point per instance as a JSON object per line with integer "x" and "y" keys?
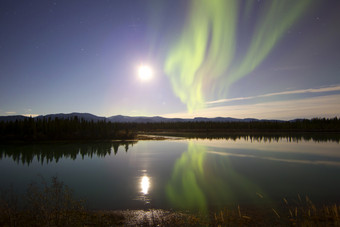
{"x": 126, "y": 119}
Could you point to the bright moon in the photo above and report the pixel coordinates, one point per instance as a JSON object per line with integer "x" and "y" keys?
{"x": 145, "y": 72}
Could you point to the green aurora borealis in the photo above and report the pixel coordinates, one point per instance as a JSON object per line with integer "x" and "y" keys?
{"x": 209, "y": 58}
{"x": 202, "y": 62}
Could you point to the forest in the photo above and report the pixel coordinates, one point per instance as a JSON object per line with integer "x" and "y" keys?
{"x": 31, "y": 129}
{"x": 74, "y": 128}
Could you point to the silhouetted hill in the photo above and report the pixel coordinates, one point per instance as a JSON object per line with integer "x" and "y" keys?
{"x": 84, "y": 116}
{"x": 12, "y": 118}
{"x": 156, "y": 119}
{"x": 216, "y": 119}
{"x": 141, "y": 119}
{"x": 127, "y": 119}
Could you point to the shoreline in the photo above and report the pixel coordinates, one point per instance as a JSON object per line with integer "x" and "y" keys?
{"x": 186, "y": 134}
{"x": 286, "y": 215}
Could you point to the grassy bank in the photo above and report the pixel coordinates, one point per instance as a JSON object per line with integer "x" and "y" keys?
{"x": 53, "y": 204}
{"x": 239, "y": 216}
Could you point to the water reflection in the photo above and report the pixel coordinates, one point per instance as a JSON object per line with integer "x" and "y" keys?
{"x": 145, "y": 185}
{"x": 47, "y": 153}
{"x": 251, "y": 170}
{"x": 181, "y": 174}
{"x": 200, "y": 181}
{"x": 184, "y": 189}
{"x": 315, "y": 161}
{"x": 275, "y": 137}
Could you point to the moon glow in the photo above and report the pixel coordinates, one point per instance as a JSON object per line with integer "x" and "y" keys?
{"x": 145, "y": 72}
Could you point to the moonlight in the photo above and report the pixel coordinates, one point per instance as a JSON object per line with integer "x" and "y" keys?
{"x": 145, "y": 72}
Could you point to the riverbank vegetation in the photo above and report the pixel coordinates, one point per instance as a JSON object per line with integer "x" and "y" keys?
{"x": 47, "y": 129}
{"x": 53, "y": 204}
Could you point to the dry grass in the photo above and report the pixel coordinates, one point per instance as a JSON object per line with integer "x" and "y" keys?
{"x": 296, "y": 213}
{"x": 53, "y": 205}
{"x": 42, "y": 205}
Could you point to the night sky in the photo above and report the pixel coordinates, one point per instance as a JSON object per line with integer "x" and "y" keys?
{"x": 230, "y": 58}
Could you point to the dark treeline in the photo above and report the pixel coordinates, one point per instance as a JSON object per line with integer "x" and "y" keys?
{"x": 32, "y": 129}
{"x": 319, "y": 129}
{"x": 78, "y": 129}
{"x": 313, "y": 125}
{"x": 45, "y": 153}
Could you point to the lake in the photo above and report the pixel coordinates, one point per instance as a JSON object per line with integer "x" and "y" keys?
{"x": 185, "y": 174}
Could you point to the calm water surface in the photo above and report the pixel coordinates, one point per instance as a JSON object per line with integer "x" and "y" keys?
{"x": 180, "y": 174}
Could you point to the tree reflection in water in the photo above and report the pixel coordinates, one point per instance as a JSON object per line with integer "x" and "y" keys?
{"x": 46, "y": 153}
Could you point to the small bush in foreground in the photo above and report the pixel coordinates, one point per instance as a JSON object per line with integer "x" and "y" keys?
{"x": 43, "y": 205}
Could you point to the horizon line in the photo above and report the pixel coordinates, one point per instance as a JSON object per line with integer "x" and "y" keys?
{"x": 183, "y": 118}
